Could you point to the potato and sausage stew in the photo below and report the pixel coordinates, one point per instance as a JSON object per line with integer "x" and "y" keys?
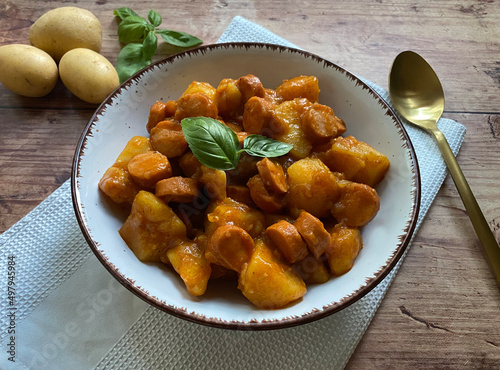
{"x": 247, "y": 183}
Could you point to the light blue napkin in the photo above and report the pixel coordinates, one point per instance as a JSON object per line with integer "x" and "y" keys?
{"x": 69, "y": 313}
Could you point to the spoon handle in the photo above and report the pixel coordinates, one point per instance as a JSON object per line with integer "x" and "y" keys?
{"x": 479, "y": 223}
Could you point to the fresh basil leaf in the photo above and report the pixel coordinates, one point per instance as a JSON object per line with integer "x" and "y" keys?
{"x": 132, "y": 28}
{"x": 154, "y": 17}
{"x": 262, "y": 146}
{"x": 130, "y": 60}
{"x": 214, "y": 144}
{"x": 178, "y": 38}
{"x": 150, "y": 44}
{"x": 124, "y": 12}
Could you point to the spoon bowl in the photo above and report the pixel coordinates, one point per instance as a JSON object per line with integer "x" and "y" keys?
{"x": 416, "y": 90}
{"x": 418, "y": 96}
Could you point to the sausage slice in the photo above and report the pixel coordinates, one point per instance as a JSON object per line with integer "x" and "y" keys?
{"x": 268, "y": 202}
{"x": 230, "y": 246}
{"x": 272, "y": 175}
{"x": 313, "y": 232}
{"x": 177, "y": 189}
{"x": 288, "y": 240}
{"x": 148, "y": 168}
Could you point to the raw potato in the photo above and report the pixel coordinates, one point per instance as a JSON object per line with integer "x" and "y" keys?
{"x": 26, "y": 70}
{"x": 66, "y": 28}
{"x": 88, "y": 75}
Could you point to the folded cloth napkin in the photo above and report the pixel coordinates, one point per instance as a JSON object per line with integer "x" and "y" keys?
{"x": 61, "y": 309}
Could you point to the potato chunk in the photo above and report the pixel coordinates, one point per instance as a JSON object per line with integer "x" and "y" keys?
{"x": 287, "y": 119}
{"x": 228, "y": 99}
{"x": 201, "y": 87}
{"x": 299, "y": 87}
{"x": 239, "y": 214}
{"x": 188, "y": 260}
{"x": 214, "y": 182}
{"x": 136, "y": 145}
{"x": 312, "y": 270}
{"x": 345, "y": 244}
{"x": 151, "y": 228}
{"x": 359, "y": 161}
{"x": 267, "y": 281}
{"x": 194, "y": 105}
{"x": 312, "y": 187}
{"x": 117, "y": 184}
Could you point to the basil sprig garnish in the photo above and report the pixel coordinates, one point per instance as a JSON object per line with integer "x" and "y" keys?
{"x": 140, "y": 35}
{"x": 216, "y": 146}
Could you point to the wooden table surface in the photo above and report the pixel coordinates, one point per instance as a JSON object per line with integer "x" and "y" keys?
{"x": 443, "y": 308}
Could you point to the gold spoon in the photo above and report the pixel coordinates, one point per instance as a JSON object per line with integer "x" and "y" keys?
{"x": 418, "y": 96}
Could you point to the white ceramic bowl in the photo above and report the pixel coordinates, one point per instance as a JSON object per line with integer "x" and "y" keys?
{"x": 124, "y": 114}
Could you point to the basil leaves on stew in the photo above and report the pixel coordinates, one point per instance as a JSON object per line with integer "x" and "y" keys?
{"x": 216, "y": 146}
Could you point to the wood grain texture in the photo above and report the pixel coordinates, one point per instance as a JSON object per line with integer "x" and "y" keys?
{"x": 443, "y": 308}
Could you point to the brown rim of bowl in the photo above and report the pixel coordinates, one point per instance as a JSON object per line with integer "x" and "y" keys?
{"x": 250, "y": 325}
